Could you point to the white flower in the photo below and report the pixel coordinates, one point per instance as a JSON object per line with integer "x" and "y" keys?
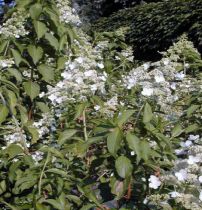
{"x": 180, "y": 76}
{"x": 42, "y": 94}
{"x": 79, "y": 60}
{"x": 193, "y": 137}
{"x": 174, "y": 194}
{"x": 173, "y": 86}
{"x": 186, "y": 143}
{"x": 89, "y": 73}
{"x": 159, "y": 78}
{"x": 200, "y": 196}
{"x": 100, "y": 65}
{"x": 147, "y": 91}
{"x": 52, "y": 97}
{"x": 181, "y": 175}
{"x": 97, "y": 107}
{"x": 166, "y": 61}
{"x": 193, "y": 159}
{"x": 66, "y": 75}
{"x": 200, "y": 179}
{"x": 132, "y": 153}
{"x": 146, "y": 66}
{"x": 154, "y": 182}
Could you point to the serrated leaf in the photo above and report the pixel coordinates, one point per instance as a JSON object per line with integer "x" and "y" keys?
{"x": 124, "y": 117}
{"x": 52, "y": 40}
{"x": 3, "y": 113}
{"x": 34, "y": 134}
{"x": 57, "y": 171}
{"x": 192, "y": 109}
{"x": 61, "y": 62}
{"x": 13, "y": 150}
{"x": 123, "y": 167}
{"x": 17, "y": 57}
{"x": 23, "y": 114}
{"x": 65, "y": 135}
{"x": 140, "y": 147}
{"x": 40, "y": 29}
{"x": 147, "y": 114}
{"x": 43, "y": 107}
{"x": 12, "y": 100}
{"x": 62, "y": 43}
{"x": 35, "y": 52}
{"x": 47, "y": 72}
{"x": 114, "y": 141}
{"x": 177, "y": 130}
{"x": 16, "y": 74}
{"x": 32, "y": 89}
{"x": 35, "y": 11}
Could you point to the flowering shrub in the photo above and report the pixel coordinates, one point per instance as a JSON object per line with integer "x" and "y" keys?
{"x": 83, "y": 126}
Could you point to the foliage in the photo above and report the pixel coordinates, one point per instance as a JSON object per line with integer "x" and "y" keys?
{"x": 84, "y": 127}
{"x": 154, "y": 27}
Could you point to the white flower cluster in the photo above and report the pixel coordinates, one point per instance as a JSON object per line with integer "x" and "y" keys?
{"x": 6, "y": 63}
{"x": 67, "y": 13}
{"x": 14, "y": 26}
{"x": 186, "y": 176}
{"x": 166, "y": 81}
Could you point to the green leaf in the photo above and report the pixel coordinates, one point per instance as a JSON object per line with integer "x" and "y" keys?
{"x": 34, "y": 133}
{"x": 65, "y": 135}
{"x": 3, "y": 45}
{"x": 124, "y": 117}
{"x": 58, "y": 172}
{"x": 62, "y": 43}
{"x": 192, "y": 109}
{"x": 40, "y": 29}
{"x": 2, "y": 187}
{"x": 88, "y": 207}
{"x": 14, "y": 150}
{"x": 17, "y": 57}
{"x": 47, "y": 72}
{"x": 35, "y": 52}
{"x": 140, "y": 147}
{"x": 43, "y": 107}
{"x": 3, "y": 113}
{"x": 192, "y": 128}
{"x": 147, "y": 114}
{"x": 114, "y": 141}
{"x": 23, "y": 114}
{"x": 16, "y": 74}
{"x": 35, "y": 11}
{"x": 52, "y": 40}
{"x": 12, "y": 100}
{"x": 123, "y": 167}
{"x": 61, "y": 63}
{"x": 177, "y": 130}
{"x": 32, "y": 89}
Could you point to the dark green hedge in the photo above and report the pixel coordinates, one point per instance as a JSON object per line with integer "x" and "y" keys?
{"x": 153, "y": 27}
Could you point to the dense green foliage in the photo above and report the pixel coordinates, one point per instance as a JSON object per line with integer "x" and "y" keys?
{"x": 154, "y": 27}
{"x": 81, "y": 124}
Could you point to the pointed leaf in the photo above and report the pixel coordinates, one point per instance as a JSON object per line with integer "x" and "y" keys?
{"x": 125, "y": 116}
{"x": 123, "y": 167}
{"x": 40, "y": 29}
{"x": 114, "y": 141}
{"x": 32, "y": 89}
{"x": 35, "y": 11}
{"x": 35, "y": 52}
{"x": 52, "y": 40}
{"x": 147, "y": 115}
{"x": 65, "y": 135}
{"x": 17, "y": 57}
{"x": 47, "y": 72}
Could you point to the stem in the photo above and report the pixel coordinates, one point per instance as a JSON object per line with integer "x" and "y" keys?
{"x": 42, "y": 173}
{"x": 84, "y": 125}
{"x": 138, "y": 114}
{"x": 6, "y": 50}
